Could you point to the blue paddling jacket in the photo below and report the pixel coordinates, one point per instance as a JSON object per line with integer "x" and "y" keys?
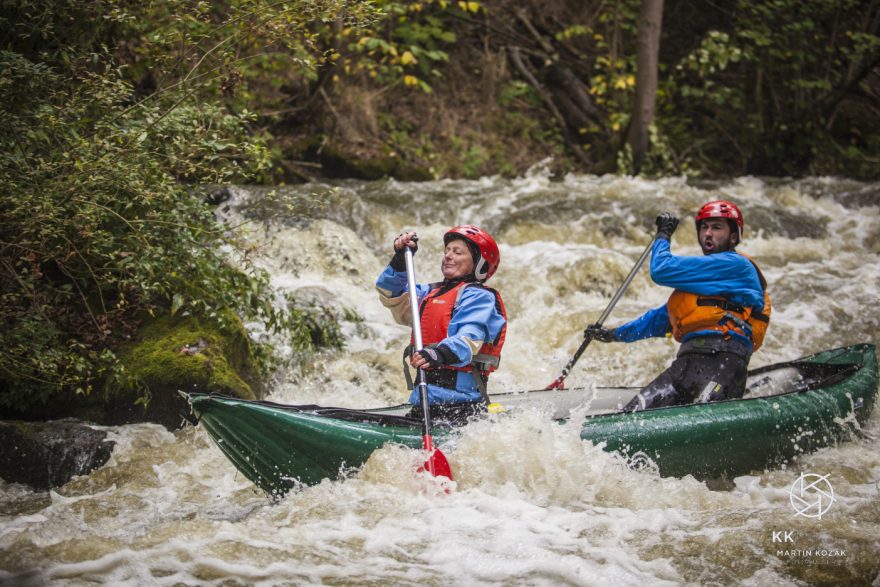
{"x": 728, "y": 275}
{"x": 477, "y": 319}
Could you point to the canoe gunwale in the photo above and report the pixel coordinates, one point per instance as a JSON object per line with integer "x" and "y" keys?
{"x": 833, "y": 374}
{"x": 278, "y": 446}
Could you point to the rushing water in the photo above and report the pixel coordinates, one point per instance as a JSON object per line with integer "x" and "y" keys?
{"x": 533, "y": 505}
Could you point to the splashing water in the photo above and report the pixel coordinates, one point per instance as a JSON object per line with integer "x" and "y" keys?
{"x": 533, "y": 504}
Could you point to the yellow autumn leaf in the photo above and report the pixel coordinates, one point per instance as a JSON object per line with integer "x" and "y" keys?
{"x": 473, "y": 7}
{"x": 408, "y": 58}
{"x": 615, "y": 127}
{"x": 410, "y": 80}
{"x": 620, "y": 83}
{"x": 630, "y": 80}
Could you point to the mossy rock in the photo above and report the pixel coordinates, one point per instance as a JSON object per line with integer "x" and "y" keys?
{"x": 187, "y": 354}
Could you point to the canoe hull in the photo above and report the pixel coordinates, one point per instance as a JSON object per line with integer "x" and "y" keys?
{"x": 279, "y": 447}
{"x": 735, "y": 437}
{"x": 278, "y": 450}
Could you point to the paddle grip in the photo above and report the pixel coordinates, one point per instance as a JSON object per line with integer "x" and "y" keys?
{"x": 413, "y": 299}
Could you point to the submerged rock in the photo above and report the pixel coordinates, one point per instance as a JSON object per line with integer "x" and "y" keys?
{"x": 45, "y": 455}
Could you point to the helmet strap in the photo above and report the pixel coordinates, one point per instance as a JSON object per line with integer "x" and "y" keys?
{"x": 481, "y": 270}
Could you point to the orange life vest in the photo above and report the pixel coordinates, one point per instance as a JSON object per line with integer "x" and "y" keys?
{"x": 436, "y": 312}
{"x": 689, "y": 312}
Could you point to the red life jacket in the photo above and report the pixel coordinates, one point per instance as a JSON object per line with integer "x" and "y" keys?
{"x": 436, "y": 311}
{"x": 690, "y": 312}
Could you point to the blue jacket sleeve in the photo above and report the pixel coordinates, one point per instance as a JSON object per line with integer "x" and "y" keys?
{"x": 652, "y": 323}
{"x": 395, "y": 283}
{"x": 722, "y": 274}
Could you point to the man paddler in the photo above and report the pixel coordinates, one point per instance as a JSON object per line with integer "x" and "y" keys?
{"x": 719, "y": 312}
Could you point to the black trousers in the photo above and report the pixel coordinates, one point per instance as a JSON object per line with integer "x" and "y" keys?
{"x": 701, "y": 373}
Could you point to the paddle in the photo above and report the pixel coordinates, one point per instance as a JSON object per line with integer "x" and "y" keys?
{"x": 436, "y": 465}
{"x": 559, "y": 383}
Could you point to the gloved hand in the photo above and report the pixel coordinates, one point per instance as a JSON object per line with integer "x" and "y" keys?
{"x": 600, "y": 333}
{"x": 409, "y": 239}
{"x": 432, "y": 357}
{"x": 666, "y": 225}
{"x": 403, "y": 240}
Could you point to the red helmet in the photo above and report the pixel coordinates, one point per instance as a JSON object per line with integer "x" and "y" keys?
{"x": 721, "y": 209}
{"x": 490, "y": 257}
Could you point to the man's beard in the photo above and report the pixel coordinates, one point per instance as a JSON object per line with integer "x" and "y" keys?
{"x": 719, "y": 247}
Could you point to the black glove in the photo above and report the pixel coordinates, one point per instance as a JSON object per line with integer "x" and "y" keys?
{"x": 437, "y": 356}
{"x": 398, "y": 261}
{"x": 600, "y": 333}
{"x": 666, "y": 225}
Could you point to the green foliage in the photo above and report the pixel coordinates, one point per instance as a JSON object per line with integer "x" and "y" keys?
{"x": 772, "y": 91}
{"x": 612, "y": 70}
{"x": 472, "y": 159}
{"x": 660, "y": 160}
{"x": 715, "y": 54}
{"x": 101, "y": 215}
{"x": 519, "y": 90}
{"x": 241, "y": 50}
{"x": 406, "y": 45}
{"x": 577, "y": 30}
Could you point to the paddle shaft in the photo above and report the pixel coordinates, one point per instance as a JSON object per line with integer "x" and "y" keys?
{"x": 417, "y": 335}
{"x": 617, "y": 295}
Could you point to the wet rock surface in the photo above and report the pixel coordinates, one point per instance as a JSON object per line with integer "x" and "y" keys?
{"x": 45, "y": 455}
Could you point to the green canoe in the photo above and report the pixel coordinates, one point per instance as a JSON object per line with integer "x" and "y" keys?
{"x": 789, "y": 409}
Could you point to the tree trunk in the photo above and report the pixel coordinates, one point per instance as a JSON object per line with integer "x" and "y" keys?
{"x": 570, "y": 139}
{"x": 650, "y": 23}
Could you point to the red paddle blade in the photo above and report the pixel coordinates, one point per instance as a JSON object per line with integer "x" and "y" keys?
{"x": 436, "y": 465}
{"x": 558, "y": 384}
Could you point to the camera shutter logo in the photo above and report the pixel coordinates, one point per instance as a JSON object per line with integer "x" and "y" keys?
{"x": 811, "y": 495}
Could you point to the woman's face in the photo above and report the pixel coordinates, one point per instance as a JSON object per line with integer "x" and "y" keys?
{"x": 457, "y": 260}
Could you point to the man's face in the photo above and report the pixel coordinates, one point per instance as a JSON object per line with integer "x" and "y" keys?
{"x": 715, "y": 236}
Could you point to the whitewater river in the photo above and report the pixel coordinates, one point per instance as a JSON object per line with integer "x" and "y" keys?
{"x": 533, "y": 505}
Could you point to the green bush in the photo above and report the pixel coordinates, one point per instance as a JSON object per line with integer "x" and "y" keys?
{"x": 102, "y": 219}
